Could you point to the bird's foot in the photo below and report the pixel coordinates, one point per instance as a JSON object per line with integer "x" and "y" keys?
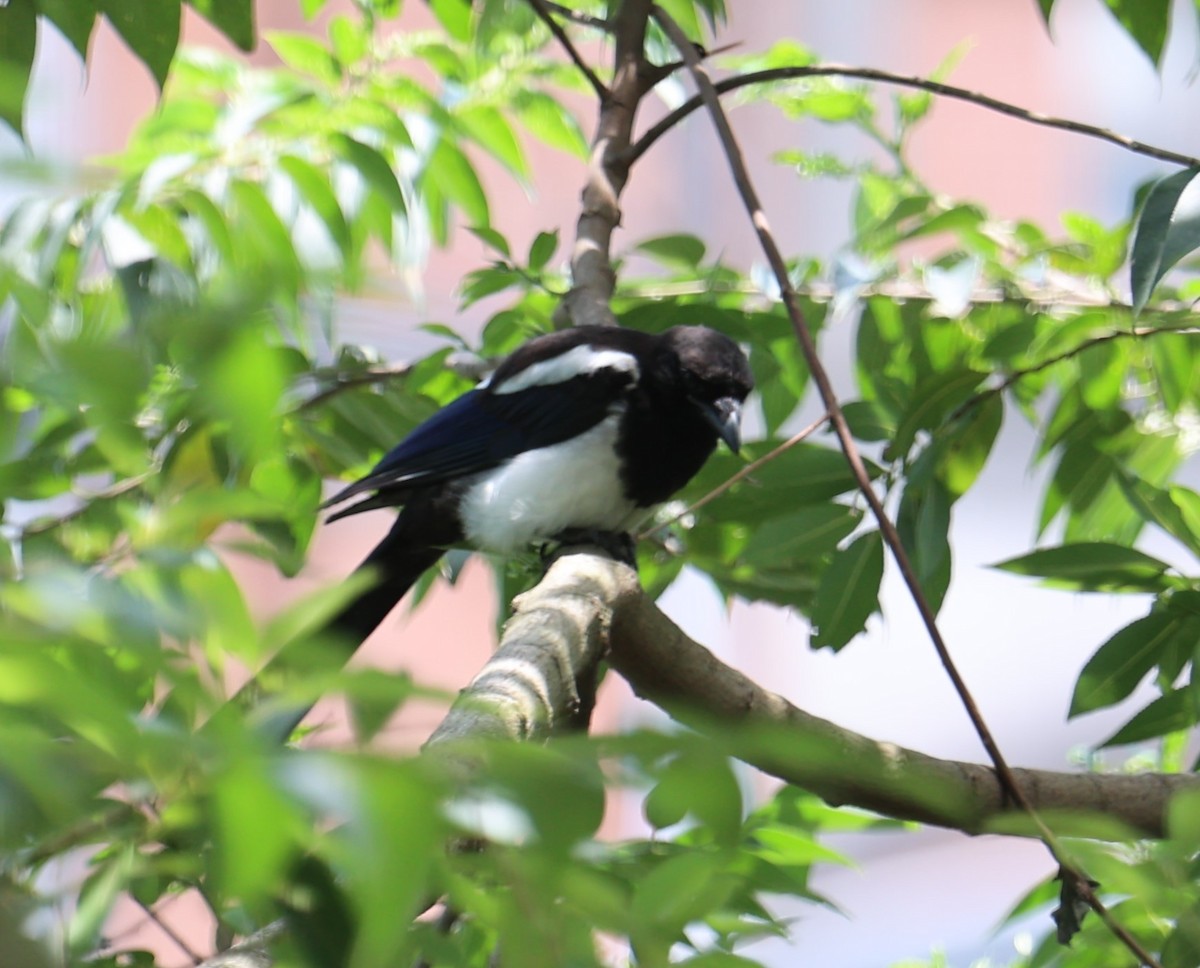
{"x": 619, "y": 544}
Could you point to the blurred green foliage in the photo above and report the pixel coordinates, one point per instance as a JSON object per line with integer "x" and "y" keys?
{"x": 174, "y": 388}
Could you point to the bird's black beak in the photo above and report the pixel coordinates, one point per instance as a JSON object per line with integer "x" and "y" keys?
{"x": 724, "y": 415}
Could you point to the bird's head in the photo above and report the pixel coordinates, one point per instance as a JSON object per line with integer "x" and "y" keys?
{"x": 711, "y": 372}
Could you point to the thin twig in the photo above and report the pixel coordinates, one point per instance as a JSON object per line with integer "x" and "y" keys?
{"x": 168, "y": 931}
{"x": 891, "y": 537}
{"x": 579, "y": 17}
{"x": 934, "y": 87}
{"x": 1141, "y": 332}
{"x": 42, "y": 525}
{"x": 602, "y": 91}
{"x": 741, "y": 475}
{"x": 344, "y": 383}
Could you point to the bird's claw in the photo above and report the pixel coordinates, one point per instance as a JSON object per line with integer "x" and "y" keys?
{"x": 619, "y": 544}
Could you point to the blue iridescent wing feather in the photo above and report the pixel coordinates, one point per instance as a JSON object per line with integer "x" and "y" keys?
{"x": 482, "y": 429}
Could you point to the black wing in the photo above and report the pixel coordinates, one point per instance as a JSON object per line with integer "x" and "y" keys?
{"x": 481, "y": 430}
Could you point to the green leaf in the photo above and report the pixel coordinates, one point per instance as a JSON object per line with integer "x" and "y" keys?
{"x": 306, "y": 55}
{"x": 806, "y": 534}
{"x": 454, "y": 16}
{"x": 314, "y": 186}
{"x": 933, "y": 400}
{"x": 681, "y": 889}
{"x": 74, "y": 18}
{"x": 683, "y": 251}
{"x": 18, "y": 32}
{"x": 486, "y": 282}
{"x": 849, "y": 592}
{"x": 255, "y": 827}
{"x": 1168, "y": 713}
{"x": 375, "y": 169}
{"x": 1146, "y": 21}
{"x": 1168, "y": 228}
{"x": 1122, "y": 662}
{"x": 350, "y": 39}
{"x": 454, "y": 174}
{"x": 488, "y": 128}
{"x": 150, "y": 28}
{"x": 97, "y": 897}
{"x": 1092, "y": 566}
{"x": 541, "y": 249}
{"x": 1165, "y": 508}
{"x": 700, "y": 785}
{"x": 805, "y": 474}
{"x": 550, "y": 122}
{"x": 491, "y": 238}
{"x": 234, "y": 18}
{"x": 961, "y": 452}
{"x": 1182, "y": 947}
{"x": 923, "y": 522}
{"x": 780, "y": 376}
{"x": 868, "y": 420}
{"x": 1176, "y": 361}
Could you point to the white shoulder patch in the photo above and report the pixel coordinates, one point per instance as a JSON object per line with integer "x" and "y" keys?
{"x": 575, "y": 362}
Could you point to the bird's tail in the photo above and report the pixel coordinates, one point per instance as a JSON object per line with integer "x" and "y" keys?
{"x": 395, "y": 564}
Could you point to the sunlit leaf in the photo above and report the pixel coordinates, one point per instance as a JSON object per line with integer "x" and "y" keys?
{"x": 256, "y": 827}
{"x": 455, "y": 176}
{"x": 306, "y": 55}
{"x": 488, "y": 128}
{"x": 541, "y": 249}
{"x": 1092, "y": 566}
{"x": 548, "y": 121}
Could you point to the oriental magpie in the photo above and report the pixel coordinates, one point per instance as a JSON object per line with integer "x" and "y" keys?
{"x": 583, "y": 430}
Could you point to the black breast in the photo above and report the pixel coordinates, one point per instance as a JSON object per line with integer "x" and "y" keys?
{"x": 661, "y": 448}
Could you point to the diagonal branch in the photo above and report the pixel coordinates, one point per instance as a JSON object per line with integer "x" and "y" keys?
{"x": 902, "y": 80}
{"x": 821, "y": 378}
{"x": 540, "y": 8}
{"x": 1009, "y": 782}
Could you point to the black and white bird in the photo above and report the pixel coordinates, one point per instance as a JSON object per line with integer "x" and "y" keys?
{"x": 583, "y": 430}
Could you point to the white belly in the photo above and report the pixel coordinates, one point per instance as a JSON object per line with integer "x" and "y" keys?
{"x": 575, "y": 484}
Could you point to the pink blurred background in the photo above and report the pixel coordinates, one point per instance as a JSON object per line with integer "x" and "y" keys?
{"x": 1019, "y": 647}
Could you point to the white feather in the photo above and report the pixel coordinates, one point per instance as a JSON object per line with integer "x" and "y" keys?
{"x": 575, "y": 362}
{"x": 575, "y": 484}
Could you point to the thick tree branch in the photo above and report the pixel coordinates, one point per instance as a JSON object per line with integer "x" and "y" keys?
{"x": 587, "y": 603}
{"x": 550, "y": 651}
{"x": 600, "y": 213}
{"x": 669, "y": 121}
